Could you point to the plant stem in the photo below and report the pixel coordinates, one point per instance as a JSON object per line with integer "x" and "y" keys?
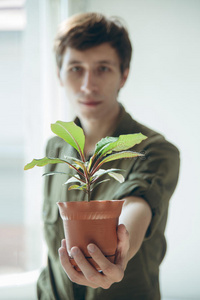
{"x": 87, "y": 181}
{"x": 89, "y": 195}
{"x": 93, "y": 170}
{"x": 88, "y": 186}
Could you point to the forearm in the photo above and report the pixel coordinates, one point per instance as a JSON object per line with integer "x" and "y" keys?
{"x": 136, "y": 216}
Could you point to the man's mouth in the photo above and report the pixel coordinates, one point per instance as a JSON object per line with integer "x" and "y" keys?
{"x": 90, "y": 103}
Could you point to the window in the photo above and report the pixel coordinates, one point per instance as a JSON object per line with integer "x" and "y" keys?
{"x": 30, "y": 101}
{"x": 12, "y": 15}
{"x": 14, "y": 226}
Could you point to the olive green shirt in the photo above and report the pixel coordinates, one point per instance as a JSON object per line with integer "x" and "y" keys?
{"x": 152, "y": 177}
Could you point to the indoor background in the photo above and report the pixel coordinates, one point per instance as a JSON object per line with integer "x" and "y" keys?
{"x": 163, "y": 92}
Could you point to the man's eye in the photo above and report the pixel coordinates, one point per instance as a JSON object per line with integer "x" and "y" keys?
{"x": 103, "y": 69}
{"x": 75, "y": 69}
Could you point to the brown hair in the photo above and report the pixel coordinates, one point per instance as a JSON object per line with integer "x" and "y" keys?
{"x": 86, "y": 30}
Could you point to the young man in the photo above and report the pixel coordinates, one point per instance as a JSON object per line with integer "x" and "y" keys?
{"x": 93, "y": 56}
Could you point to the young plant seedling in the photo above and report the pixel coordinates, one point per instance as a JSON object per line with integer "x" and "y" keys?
{"x": 89, "y": 172}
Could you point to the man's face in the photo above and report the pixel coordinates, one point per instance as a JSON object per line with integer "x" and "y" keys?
{"x": 92, "y": 80}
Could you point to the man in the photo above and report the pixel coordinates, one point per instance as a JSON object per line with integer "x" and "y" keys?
{"x": 93, "y": 57}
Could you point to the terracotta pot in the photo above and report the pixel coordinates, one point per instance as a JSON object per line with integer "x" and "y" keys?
{"x": 91, "y": 222}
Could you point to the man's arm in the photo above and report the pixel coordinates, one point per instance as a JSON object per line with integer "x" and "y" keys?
{"x": 135, "y": 219}
{"x": 136, "y": 216}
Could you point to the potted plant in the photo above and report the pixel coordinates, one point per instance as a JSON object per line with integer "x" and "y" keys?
{"x": 92, "y": 221}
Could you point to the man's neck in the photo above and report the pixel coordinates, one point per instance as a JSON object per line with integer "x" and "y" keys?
{"x": 96, "y": 129}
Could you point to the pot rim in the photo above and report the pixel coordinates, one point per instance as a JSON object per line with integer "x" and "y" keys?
{"x": 93, "y": 210}
{"x": 92, "y": 201}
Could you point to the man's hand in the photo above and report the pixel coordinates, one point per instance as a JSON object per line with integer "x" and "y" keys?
{"x": 136, "y": 216}
{"x": 89, "y": 276}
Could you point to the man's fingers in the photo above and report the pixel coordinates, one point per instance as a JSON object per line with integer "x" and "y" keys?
{"x": 105, "y": 265}
{"x": 89, "y": 276}
{"x": 87, "y": 269}
{"x": 111, "y": 271}
{"x": 123, "y": 239}
{"x": 123, "y": 246}
{"x": 63, "y": 243}
{"x": 73, "y": 275}
{"x": 80, "y": 259}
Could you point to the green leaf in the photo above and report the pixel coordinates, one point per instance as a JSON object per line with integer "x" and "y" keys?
{"x": 72, "y": 158}
{"x": 54, "y": 173}
{"x": 74, "y": 179}
{"x": 77, "y": 187}
{"x": 105, "y": 142}
{"x": 80, "y": 164}
{"x": 96, "y": 184}
{"x": 90, "y": 162}
{"x": 78, "y": 167}
{"x": 70, "y": 133}
{"x": 102, "y": 172}
{"x": 124, "y": 142}
{"x": 124, "y": 154}
{"x": 43, "y": 162}
{"x": 117, "y": 176}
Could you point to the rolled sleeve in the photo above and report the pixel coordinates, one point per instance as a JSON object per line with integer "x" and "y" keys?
{"x": 153, "y": 178}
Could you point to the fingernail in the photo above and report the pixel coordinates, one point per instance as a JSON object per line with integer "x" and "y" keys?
{"x": 60, "y": 252}
{"x": 91, "y": 248}
{"x": 74, "y": 251}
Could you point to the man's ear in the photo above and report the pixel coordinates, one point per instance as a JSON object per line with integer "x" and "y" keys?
{"x": 59, "y": 76}
{"x": 124, "y": 77}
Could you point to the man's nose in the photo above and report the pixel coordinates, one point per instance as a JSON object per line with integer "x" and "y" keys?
{"x": 89, "y": 82}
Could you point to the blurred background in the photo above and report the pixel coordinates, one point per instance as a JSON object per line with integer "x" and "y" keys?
{"x": 163, "y": 92}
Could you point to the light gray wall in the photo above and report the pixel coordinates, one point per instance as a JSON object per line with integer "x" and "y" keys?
{"x": 163, "y": 93}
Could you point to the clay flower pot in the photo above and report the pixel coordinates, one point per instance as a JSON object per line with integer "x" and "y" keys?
{"x": 91, "y": 222}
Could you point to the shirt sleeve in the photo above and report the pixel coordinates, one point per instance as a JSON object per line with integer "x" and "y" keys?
{"x": 153, "y": 178}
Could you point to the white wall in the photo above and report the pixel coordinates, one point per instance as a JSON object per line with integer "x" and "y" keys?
{"x": 163, "y": 92}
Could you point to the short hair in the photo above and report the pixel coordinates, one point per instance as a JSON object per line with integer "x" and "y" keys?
{"x": 87, "y": 30}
